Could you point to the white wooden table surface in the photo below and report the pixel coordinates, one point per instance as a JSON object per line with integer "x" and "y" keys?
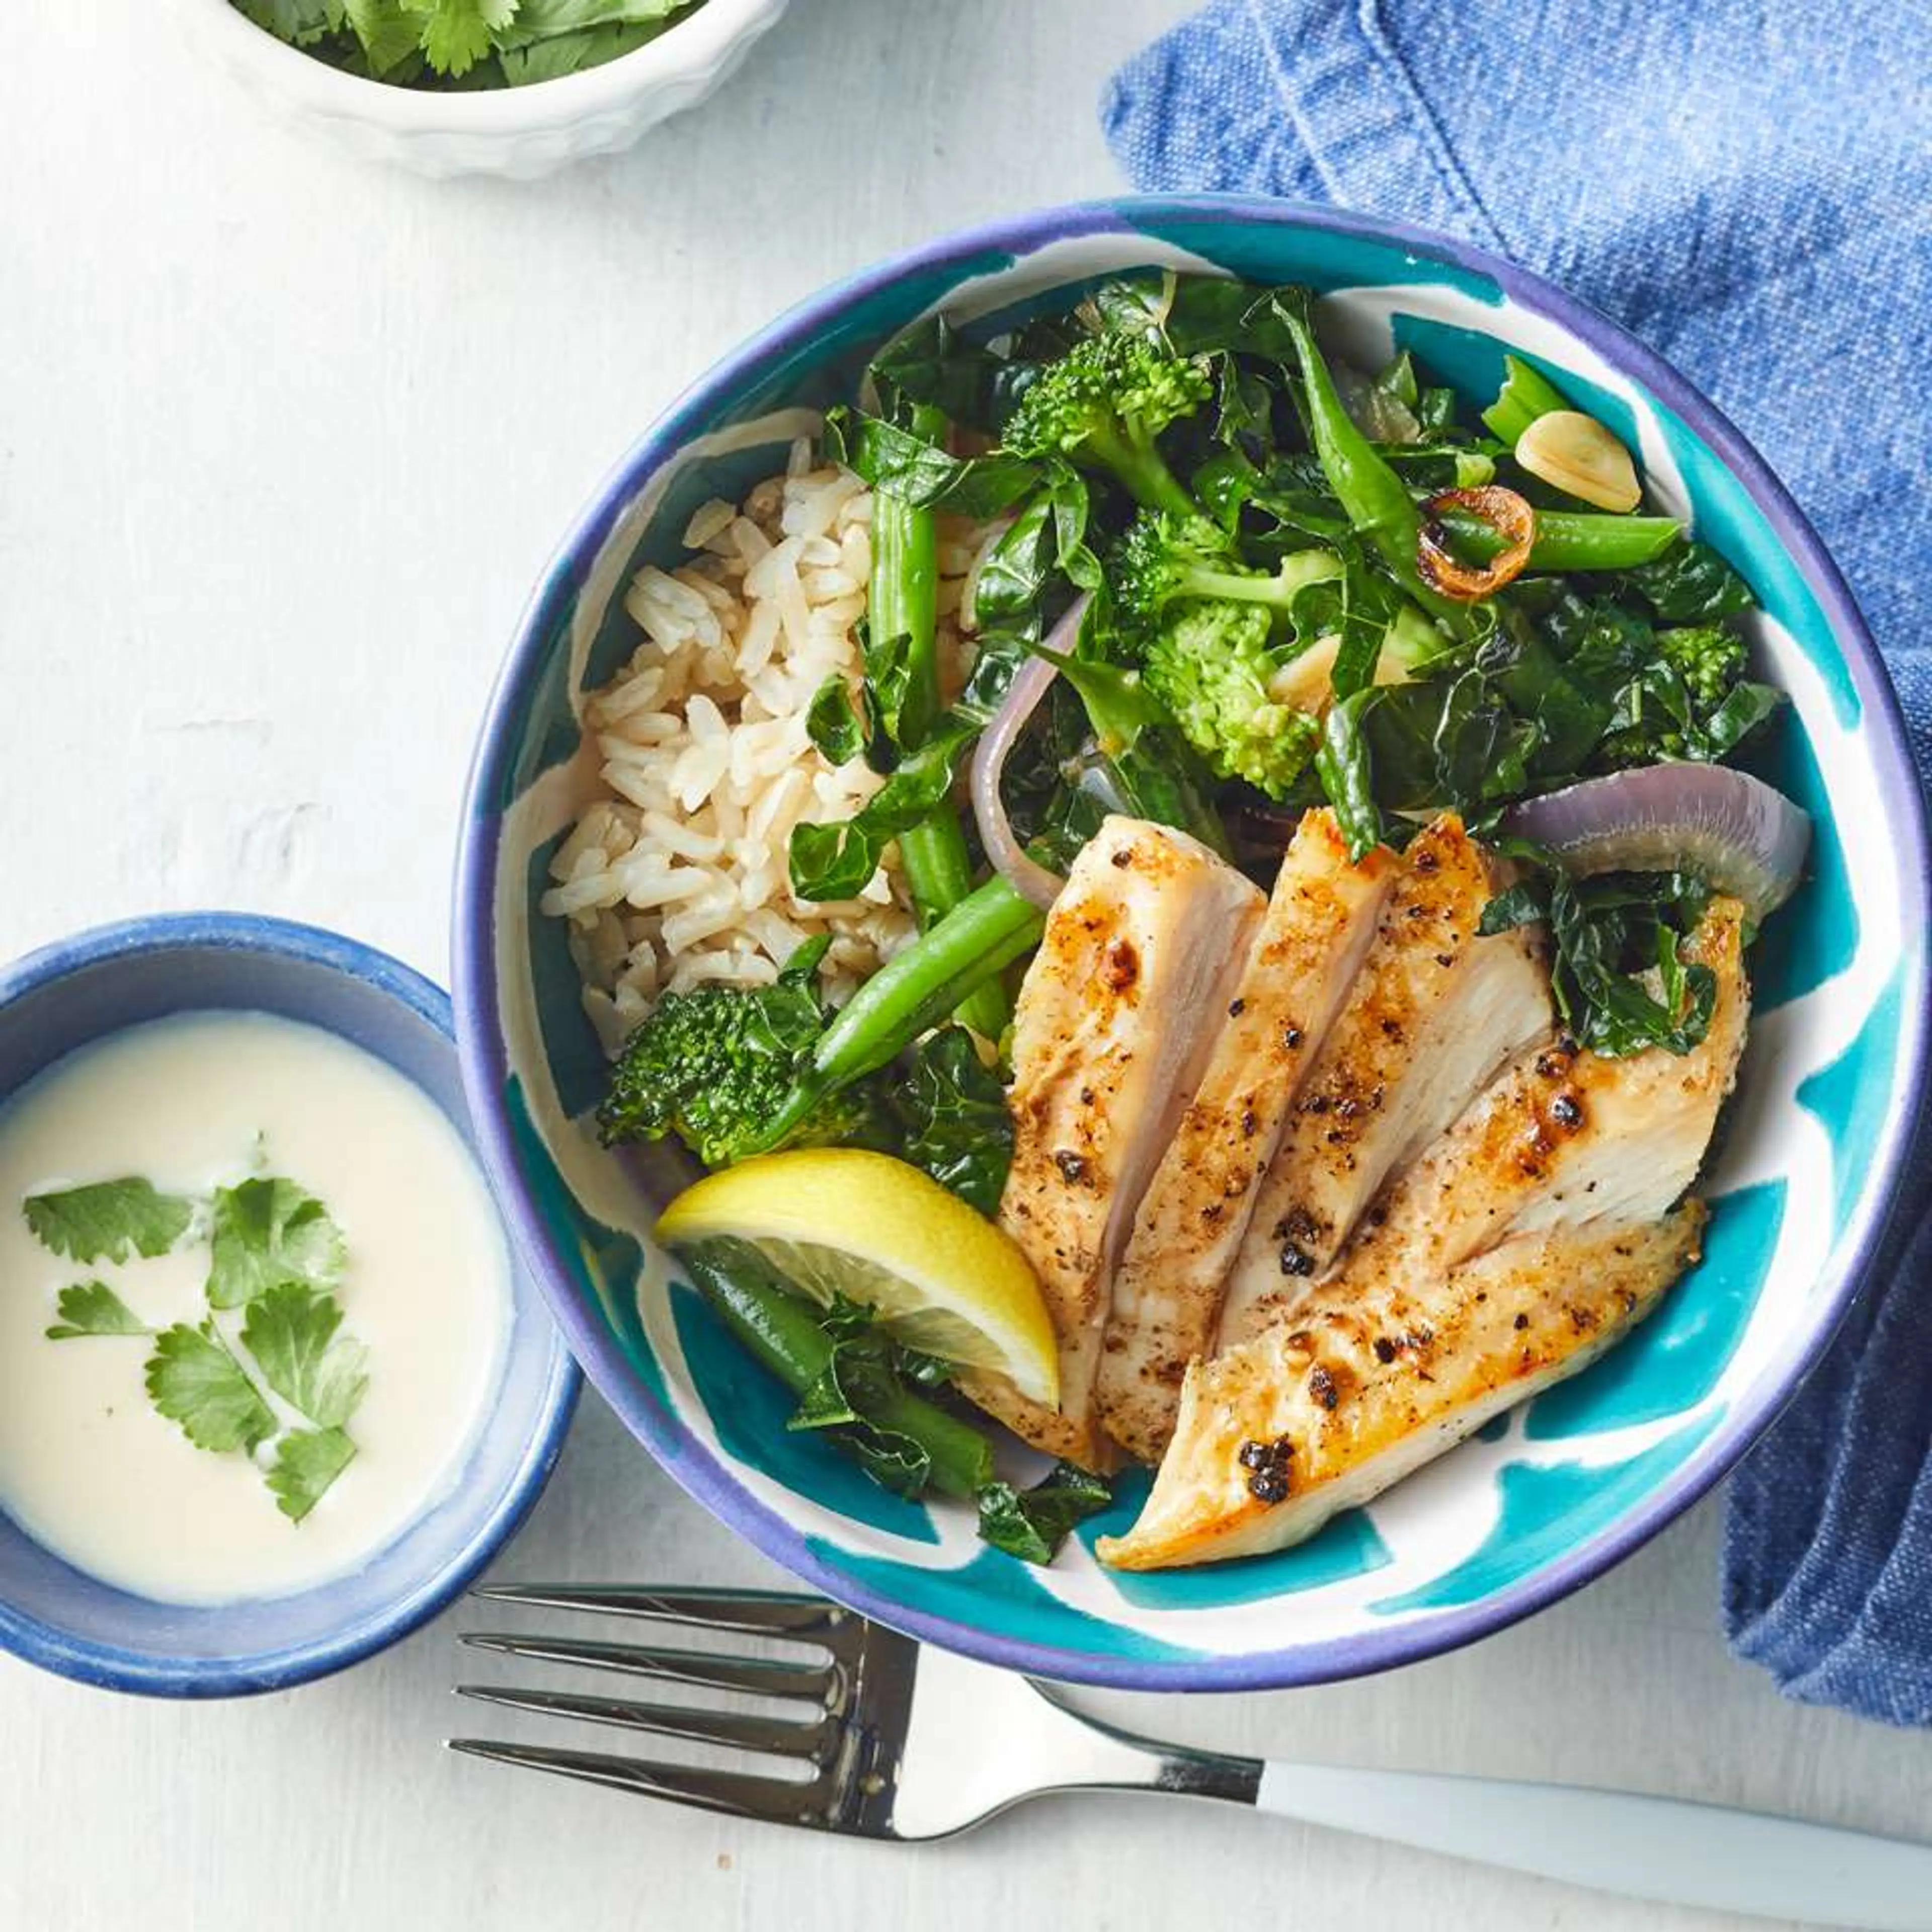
{"x": 283, "y": 442}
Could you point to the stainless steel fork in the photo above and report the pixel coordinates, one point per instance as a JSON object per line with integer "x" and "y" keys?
{"x": 896, "y": 1740}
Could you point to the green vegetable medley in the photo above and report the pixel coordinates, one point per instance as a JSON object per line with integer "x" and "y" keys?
{"x": 274, "y": 1254}
{"x": 882, "y": 1405}
{"x": 1252, "y": 522}
{"x": 465, "y": 44}
{"x": 1266, "y": 581}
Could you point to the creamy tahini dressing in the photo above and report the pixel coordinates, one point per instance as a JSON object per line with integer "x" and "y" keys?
{"x": 86, "y": 1465}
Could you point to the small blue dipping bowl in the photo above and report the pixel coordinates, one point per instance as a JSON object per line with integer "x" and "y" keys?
{"x": 51, "y": 1614}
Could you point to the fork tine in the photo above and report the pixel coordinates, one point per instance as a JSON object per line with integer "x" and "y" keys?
{"x": 777, "y": 1800}
{"x": 758, "y": 1678}
{"x": 777, "y": 1736}
{"x": 745, "y": 1613}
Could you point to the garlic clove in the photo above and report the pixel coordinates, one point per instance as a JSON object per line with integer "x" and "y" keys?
{"x": 1576, "y": 454}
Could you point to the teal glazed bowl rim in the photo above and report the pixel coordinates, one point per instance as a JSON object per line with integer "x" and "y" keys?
{"x": 479, "y": 984}
{"x": 322, "y": 979}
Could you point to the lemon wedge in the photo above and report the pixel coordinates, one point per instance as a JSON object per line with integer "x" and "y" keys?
{"x": 842, "y": 1221}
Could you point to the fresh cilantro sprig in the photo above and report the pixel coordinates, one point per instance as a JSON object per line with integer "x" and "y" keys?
{"x": 465, "y": 44}
{"x": 291, "y": 1332}
{"x": 307, "y": 1461}
{"x": 93, "y": 1308}
{"x": 107, "y": 1219}
{"x": 457, "y": 33}
{"x": 269, "y": 1233}
{"x": 193, "y": 1379}
{"x": 275, "y": 1252}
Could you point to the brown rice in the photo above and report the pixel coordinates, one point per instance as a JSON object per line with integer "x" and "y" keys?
{"x": 675, "y": 873}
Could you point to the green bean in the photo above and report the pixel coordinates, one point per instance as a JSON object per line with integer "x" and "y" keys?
{"x": 1526, "y": 393}
{"x": 904, "y": 603}
{"x": 1347, "y": 775}
{"x": 905, "y": 599}
{"x": 1568, "y": 539}
{"x": 781, "y": 1330}
{"x": 982, "y": 935}
{"x": 1376, "y": 499}
{"x": 976, "y": 942}
{"x": 940, "y": 875}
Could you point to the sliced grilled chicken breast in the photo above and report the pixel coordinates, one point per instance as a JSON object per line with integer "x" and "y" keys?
{"x": 1436, "y": 1010}
{"x": 1115, "y": 1023}
{"x": 1563, "y": 1137}
{"x": 1534, "y": 1233}
{"x": 1327, "y": 1412}
{"x": 1166, "y": 1295}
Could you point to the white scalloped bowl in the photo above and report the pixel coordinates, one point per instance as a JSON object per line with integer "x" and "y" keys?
{"x": 522, "y": 132}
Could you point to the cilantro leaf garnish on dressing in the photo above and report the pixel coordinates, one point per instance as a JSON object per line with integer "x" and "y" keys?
{"x": 268, "y": 1232}
{"x": 93, "y": 1308}
{"x": 194, "y": 1379}
{"x": 105, "y": 1220}
{"x": 307, "y": 1461}
{"x": 290, "y": 1331}
{"x": 275, "y": 1252}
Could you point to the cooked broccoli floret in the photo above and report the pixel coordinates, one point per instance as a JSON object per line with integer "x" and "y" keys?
{"x": 716, "y": 1065}
{"x": 1709, "y": 658}
{"x": 739, "y": 1070}
{"x": 1219, "y": 647}
{"x": 1164, "y": 558}
{"x": 1224, "y": 652}
{"x": 1104, "y": 403}
{"x": 1211, "y": 665}
{"x": 1713, "y": 709}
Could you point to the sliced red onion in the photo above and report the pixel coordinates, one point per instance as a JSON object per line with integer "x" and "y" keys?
{"x": 1729, "y": 828}
{"x": 1030, "y": 684}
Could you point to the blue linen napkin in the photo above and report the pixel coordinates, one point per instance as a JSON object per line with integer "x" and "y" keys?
{"x": 1747, "y": 185}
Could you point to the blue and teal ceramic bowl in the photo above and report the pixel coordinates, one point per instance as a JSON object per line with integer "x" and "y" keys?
{"x": 52, "y": 1614}
{"x": 1546, "y": 1498}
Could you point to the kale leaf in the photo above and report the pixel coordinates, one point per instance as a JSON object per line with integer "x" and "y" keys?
{"x": 956, "y": 1126}
{"x": 931, "y": 364}
{"x": 1621, "y": 983}
{"x": 1032, "y": 1524}
{"x": 834, "y": 861}
{"x": 1690, "y": 583}
{"x": 897, "y": 459}
{"x": 859, "y": 1383}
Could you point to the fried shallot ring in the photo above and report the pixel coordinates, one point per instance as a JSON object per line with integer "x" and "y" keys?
{"x": 1509, "y": 515}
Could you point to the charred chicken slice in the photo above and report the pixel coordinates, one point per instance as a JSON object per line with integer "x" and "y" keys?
{"x": 1116, "y": 1019}
{"x": 1436, "y": 1010}
{"x": 1278, "y": 1435}
{"x": 1166, "y": 1298}
{"x": 1536, "y": 1232}
{"x": 1563, "y": 1137}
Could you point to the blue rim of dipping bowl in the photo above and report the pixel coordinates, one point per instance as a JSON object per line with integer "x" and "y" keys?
{"x": 98, "y": 983}
{"x": 477, "y": 987}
